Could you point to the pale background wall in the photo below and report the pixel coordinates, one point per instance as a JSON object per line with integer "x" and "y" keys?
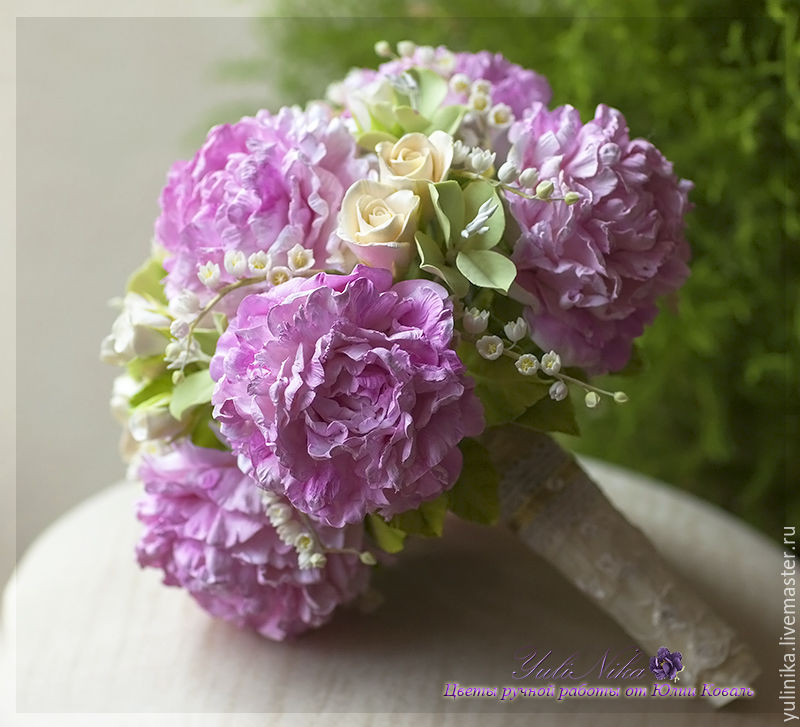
{"x": 103, "y": 108}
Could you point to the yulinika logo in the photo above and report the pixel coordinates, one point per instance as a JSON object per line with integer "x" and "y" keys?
{"x": 666, "y": 664}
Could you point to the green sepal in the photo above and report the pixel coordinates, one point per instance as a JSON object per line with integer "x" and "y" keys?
{"x": 547, "y": 415}
{"x": 410, "y": 119}
{"x": 207, "y": 339}
{"x": 162, "y": 384}
{"x": 201, "y": 433}
{"x": 220, "y": 322}
{"x": 146, "y": 280}
{"x": 386, "y": 537}
{"x": 432, "y": 261}
{"x": 194, "y": 390}
{"x": 475, "y": 194}
{"x": 447, "y": 200}
{"x": 487, "y": 269}
{"x": 474, "y": 496}
{"x": 427, "y": 519}
{"x": 504, "y": 392}
{"x": 370, "y": 139}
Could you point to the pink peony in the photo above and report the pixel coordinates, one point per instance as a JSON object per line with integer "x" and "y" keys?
{"x": 343, "y": 393}
{"x": 205, "y": 527}
{"x": 591, "y": 272}
{"x": 262, "y": 184}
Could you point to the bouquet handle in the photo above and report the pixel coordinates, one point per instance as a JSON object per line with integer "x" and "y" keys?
{"x": 562, "y": 515}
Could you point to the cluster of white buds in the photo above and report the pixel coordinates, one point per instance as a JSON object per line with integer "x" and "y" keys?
{"x": 472, "y": 158}
{"x": 293, "y": 533}
{"x": 508, "y": 174}
{"x": 475, "y": 322}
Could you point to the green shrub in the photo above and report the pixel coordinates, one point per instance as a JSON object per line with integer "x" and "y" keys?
{"x": 715, "y": 86}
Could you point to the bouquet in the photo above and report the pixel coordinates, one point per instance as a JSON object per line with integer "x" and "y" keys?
{"x": 365, "y": 314}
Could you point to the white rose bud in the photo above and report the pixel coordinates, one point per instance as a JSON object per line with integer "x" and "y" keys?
{"x": 415, "y": 159}
{"x": 378, "y": 223}
{"x": 516, "y": 330}
{"x": 475, "y": 321}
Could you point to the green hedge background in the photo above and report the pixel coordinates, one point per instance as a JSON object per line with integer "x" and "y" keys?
{"x": 715, "y": 86}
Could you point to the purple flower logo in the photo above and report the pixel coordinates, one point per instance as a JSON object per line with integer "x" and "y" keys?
{"x": 666, "y": 664}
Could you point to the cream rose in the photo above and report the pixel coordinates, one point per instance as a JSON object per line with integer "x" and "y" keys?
{"x": 378, "y": 223}
{"x": 415, "y": 159}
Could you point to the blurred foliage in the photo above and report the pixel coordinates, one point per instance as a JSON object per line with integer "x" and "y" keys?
{"x": 715, "y": 86}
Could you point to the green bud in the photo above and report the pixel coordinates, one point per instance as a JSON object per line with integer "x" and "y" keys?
{"x": 571, "y": 197}
{"x": 177, "y": 377}
{"x": 620, "y": 397}
{"x": 544, "y": 189}
{"x": 367, "y": 558}
{"x": 591, "y": 399}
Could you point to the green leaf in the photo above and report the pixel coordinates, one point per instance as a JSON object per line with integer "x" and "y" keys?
{"x": 195, "y": 389}
{"x": 427, "y": 519}
{"x": 410, "y": 119}
{"x": 220, "y": 322}
{"x": 448, "y": 204}
{"x": 370, "y": 139}
{"x": 201, "y": 433}
{"x": 432, "y": 261}
{"x": 207, "y": 339}
{"x": 446, "y": 118}
{"x": 432, "y": 90}
{"x": 146, "y": 280}
{"x": 381, "y": 115}
{"x": 504, "y": 392}
{"x": 160, "y": 385}
{"x": 474, "y": 496}
{"x": 146, "y": 368}
{"x": 386, "y": 537}
{"x": 475, "y": 194}
{"x": 487, "y": 269}
{"x": 547, "y": 415}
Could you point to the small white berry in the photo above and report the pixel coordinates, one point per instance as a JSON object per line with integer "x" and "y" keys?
{"x": 620, "y": 397}
{"x": 544, "y": 189}
{"x": 507, "y": 173}
{"x": 406, "y": 48}
{"x": 383, "y": 49}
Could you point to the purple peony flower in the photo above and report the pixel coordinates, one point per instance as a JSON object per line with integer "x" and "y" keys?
{"x": 666, "y": 664}
{"x": 344, "y": 393}
{"x": 262, "y": 184}
{"x": 592, "y": 272}
{"x": 206, "y": 528}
